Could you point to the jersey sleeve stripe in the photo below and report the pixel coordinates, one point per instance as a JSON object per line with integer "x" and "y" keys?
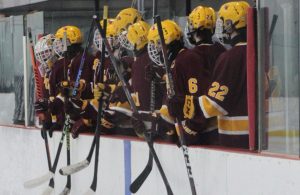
{"x": 210, "y": 108}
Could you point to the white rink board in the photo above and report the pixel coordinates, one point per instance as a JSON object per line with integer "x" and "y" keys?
{"x": 216, "y": 172}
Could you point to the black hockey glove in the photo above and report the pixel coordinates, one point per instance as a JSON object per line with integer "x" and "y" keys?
{"x": 41, "y": 105}
{"x": 175, "y": 107}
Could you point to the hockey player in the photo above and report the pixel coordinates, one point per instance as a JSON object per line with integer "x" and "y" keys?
{"x": 99, "y": 89}
{"x": 46, "y": 56}
{"x": 191, "y": 75}
{"x": 227, "y": 95}
{"x": 115, "y": 121}
{"x": 141, "y": 84}
{"x": 199, "y": 31}
{"x": 65, "y": 75}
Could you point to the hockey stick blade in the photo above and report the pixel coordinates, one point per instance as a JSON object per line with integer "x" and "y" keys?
{"x": 138, "y": 182}
{"x": 66, "y": 191}
{"x": 49, "y": 190}
{"x": 89, "y": 192}
{"x": 38, "y": 181}
{"x": 69, "y": 170}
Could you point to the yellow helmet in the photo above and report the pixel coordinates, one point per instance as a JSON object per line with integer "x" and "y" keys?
{"x": 234, "y": 13}
{"x": 127, "y": 17}
{"x": 73, "y": 34}
{"x": 171, "y": 32}
{"x": 110, "y": 34}
{"x": 137, "y": 34}
{"x": 203, "y": 18}
{"x": 124, "y": 19}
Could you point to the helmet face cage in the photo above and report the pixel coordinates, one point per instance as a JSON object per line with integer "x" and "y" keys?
{"x": 219, "y": 31}
{"x": 188, "y": 35}
{"x": 155, "y": 53}
{"x": 58, "y": 47}
{"x": 113, "y": 42}
{"x": 122, "y": 38}
{"x": 43, "y": 50}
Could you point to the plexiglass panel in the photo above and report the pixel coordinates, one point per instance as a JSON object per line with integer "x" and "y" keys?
{"x": 282, "y": 122}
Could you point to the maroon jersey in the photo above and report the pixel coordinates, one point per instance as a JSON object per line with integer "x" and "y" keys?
{"x": 86, "y": 75}
{"x": 141, "y": 86}
{"x": 192, "y": 76}
{"x": 227, "y": 97}
{"x": 210, "y": 53}
{"x": 57, "y": 75}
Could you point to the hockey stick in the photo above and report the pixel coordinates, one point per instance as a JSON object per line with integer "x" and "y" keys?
{"x": 93, "y": 186}
{"x": 171, "y": 93}
{"x": 75, "y": 90}
{"x": 125, "y": 87}
{"x": 39, "y": 94}
{"x": 67, "y": 188}
{"x": 50, "y": 187}
{"x": 138, "y": 182}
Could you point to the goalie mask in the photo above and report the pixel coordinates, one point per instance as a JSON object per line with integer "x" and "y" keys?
{"x": 124, "y": 19}
{"x": 232, "y": 16}
{"x": 110, "y": 36}
{"x": 44, "y": 53}
{"x": 137, "y": 35}
{"x": 171, "y": 31}
{"x": 201, "y": 19}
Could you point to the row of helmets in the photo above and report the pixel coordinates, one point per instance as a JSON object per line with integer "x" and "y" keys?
{"x": 130, "y": 31}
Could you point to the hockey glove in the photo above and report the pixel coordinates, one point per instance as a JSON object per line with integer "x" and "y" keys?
{"x": 139, "y": 127}
{"x": 78, "y": 127}
{"x": 175, "y": 106}
{"x": 154, "y": 73}
{"x": 55, "y": 127}
{"x": 46, "y": 126}
{"x": 41, "y": 105}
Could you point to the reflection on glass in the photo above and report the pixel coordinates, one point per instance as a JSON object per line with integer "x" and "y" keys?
{"x": 283, "y": 98}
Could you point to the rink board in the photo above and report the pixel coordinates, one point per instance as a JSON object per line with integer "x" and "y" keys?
{"x": 216, "y": 172}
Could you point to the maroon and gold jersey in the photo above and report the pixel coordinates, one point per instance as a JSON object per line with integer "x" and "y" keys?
{"x": 227, "y": 97}
{"x": 192, "y": 76}
{"x": 86, "y": 75}
{"x": 141, "y": 86}
{"x": 210, "y": 52}
{"x": 57, "y": 75}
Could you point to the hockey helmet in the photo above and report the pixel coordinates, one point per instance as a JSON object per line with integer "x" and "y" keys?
{"x": 124, "y": 19}
{"x": 110, "y": 35}
{"x": 137, "y": 35}
{"x": 171, "y": 32}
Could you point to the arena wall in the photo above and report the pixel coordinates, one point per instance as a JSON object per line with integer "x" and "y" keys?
{"x": 216, "y": 172}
